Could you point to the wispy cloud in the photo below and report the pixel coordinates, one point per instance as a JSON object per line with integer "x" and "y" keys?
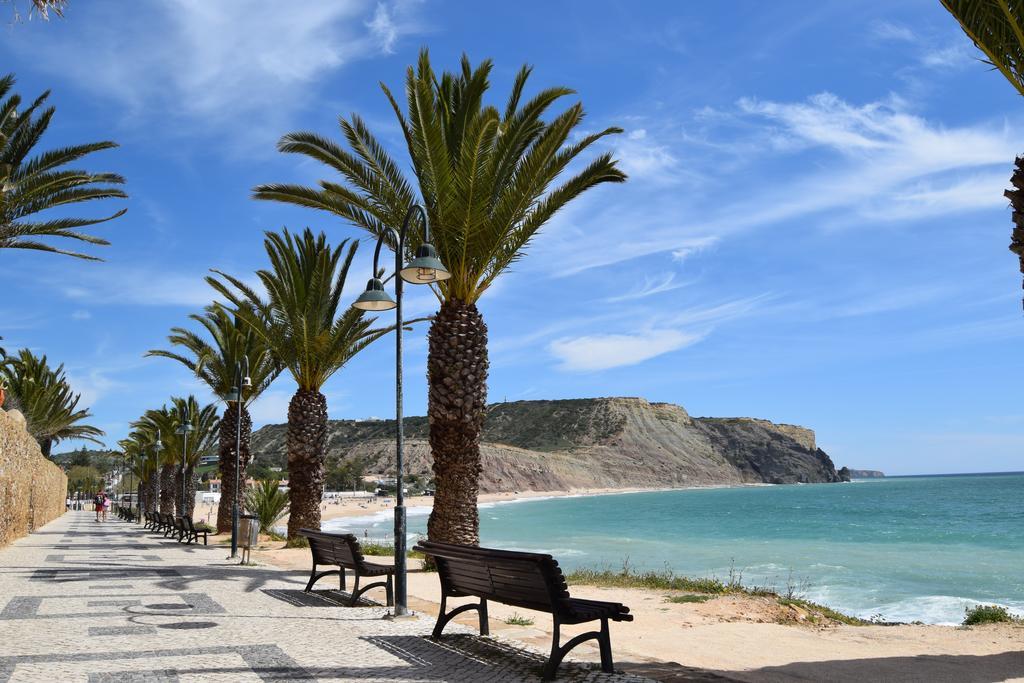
{"x": 210, "y": 65}
{"x": 666, "y": 282}
{"x": 605, "y": 351}
{"x": 886, "y": 30}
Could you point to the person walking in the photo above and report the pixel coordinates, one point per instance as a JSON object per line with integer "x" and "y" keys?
{"x": 98, "y": 503}
{"x": 107, "y": 502}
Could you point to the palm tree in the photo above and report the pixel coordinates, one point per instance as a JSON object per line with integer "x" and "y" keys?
{"x": 299, "y": 322}
{"x": 47, "y": 401}
{"x": 486, "y": 179}
{"x": 997, "y": 29}
{"x": 200, "y": 442}
{"x": 214, "y": 362}
{"x": 30, "y": 185}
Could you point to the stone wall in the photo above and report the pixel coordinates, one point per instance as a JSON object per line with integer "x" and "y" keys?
{"x": 32, "y": 488}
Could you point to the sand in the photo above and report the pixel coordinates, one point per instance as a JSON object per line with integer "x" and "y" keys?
{"x": 737, "y": 637}
{"x": 356, "y": 508}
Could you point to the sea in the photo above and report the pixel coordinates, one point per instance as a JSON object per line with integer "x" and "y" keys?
{"x": 896, "y": 549}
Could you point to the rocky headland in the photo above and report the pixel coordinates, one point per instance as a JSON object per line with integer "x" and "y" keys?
{"x": 588, "y": 444}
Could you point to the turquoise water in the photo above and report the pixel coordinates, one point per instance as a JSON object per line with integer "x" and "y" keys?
{"x": 915, "y": 548}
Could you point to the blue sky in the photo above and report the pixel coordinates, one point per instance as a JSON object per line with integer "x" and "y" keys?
{"x": 813, "y": 231}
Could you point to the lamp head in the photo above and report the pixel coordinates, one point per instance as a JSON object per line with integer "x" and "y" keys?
{"x": 374, "y": 298}
{"x": 426, "y": 267}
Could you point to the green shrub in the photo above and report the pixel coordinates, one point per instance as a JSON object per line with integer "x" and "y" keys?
{"x": 387, "y": 549}
{"x": 986, "y": 614}
{"x": 517, "y": 620}
{"x": 682, "y": 599}
{"x": 265, "y": 500}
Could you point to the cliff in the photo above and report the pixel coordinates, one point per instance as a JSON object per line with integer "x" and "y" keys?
{"x": 32, "y": 488}
{"x": 866, "y": 474}
{"x": 590, "y": 443}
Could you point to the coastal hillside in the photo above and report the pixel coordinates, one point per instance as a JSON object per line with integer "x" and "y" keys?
{"x": 590, "y": 443}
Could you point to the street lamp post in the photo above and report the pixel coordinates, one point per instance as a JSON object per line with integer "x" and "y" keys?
{"x": 157, "y": 446}
{"x": 184, "y": 429}
{"x": 236, "y": 395}
{"x": 426, "y": 268}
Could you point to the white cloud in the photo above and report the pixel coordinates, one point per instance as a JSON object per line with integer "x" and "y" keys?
{"x": 383, "y": 27}
{"x": 605, "y": 351}
{"x": 885, "y": 30}
{"x": 950, "y": 57}
{"x": 271, "y": 407}
{"x": 666, "y": 282}
{"x": 81, "y": 315}
{"x": 214, "y": 63}
{"x": 139, "y": 286}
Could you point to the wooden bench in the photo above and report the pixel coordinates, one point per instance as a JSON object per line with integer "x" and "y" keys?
{"x": 528, "y": 580}
{"x": 342, "y": 551}
{"x": 167, "y": 525}
{"x": 192, "y": 533}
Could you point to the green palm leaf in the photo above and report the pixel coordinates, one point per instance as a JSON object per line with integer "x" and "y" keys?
{"x": 30, "y": 185}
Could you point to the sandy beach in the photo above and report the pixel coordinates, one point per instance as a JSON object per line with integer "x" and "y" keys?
{"x": 738, "y": 636}
{"x": 359, "y": 507}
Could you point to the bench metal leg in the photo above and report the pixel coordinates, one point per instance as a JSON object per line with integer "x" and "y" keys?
{"x": 389, "y": 591}
{"x": 315, "y": 576}
{"x": 558, "y": 652}
{"x": 341, "y": 579}
{"x": 443, "y": 618}
{"x": 355, "y": 591}
{"x": 605, "y": 643}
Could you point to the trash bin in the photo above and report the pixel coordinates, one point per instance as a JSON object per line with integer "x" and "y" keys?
{"x": 248, "y": 534}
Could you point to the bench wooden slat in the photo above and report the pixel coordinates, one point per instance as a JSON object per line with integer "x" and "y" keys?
{"x": 343, "y": 551}
{"x": 521, "y": 579}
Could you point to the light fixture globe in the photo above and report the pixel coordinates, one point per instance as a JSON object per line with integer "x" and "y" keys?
{"x": 426, "y": 267}
{"x": 374, "y": 298}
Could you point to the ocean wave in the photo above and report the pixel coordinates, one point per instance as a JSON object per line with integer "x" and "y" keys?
{"x": 943, "y": 610}
{"x": 371, "y": 520}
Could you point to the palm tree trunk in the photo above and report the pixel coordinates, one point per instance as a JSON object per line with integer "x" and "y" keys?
{"x": 167, "y": 495}
{"x": 191, "y": 483}
{"x": 307, "y": 441}
{"x": 179, "y": 499}
{"x": 1016, "y": 197}
{"x": 457, "y": 403}
{"x": 46, "y": 445}
{"x": 228, "y": 434}
{"x": 153, "y": 492}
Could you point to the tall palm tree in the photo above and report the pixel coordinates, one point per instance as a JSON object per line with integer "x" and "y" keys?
{"x": 997, "y": 29}
{"x": 200, "y": 441}
{"x": 231, "y": 341}
{"x": 312, "y": 333}
{"x": 45, "y": 397}
{"x": 486, "y": 178}
{"x": 30, "y": 185}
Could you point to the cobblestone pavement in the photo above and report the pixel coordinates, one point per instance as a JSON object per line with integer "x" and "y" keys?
{"x": 97, "y": 602}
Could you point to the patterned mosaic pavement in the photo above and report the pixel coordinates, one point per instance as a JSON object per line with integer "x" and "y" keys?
{"x": 91, "y": 602}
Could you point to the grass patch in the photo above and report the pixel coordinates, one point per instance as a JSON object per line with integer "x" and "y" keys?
{"x": 297, "y": 542}
{"x": 987, "y": 614}
{"x": 816, "y": 612}
{"x": 518, "y": 620}
{"x": 371, "y": 548}
{"x": 701, "y": 589}
{"x": 658, "y": 580}
{"x": 682, "y": 599}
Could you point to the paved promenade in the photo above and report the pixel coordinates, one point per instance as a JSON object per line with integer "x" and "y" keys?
{"x": 97, "y": 602}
